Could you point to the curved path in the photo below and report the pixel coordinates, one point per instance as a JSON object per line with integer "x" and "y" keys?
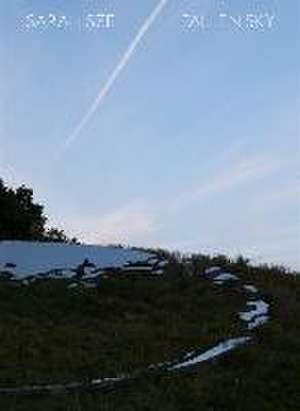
{"x": 255, "y": 314}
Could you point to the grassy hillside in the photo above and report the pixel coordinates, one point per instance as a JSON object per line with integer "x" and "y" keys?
{"x": 53, "y": 333}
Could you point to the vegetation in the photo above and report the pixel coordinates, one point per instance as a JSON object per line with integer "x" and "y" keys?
{"x": 62, "y": 334}
{"x": 23, "y": 219}
{"x": 52, "y": 333}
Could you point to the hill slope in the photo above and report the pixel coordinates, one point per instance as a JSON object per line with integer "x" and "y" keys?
{"x": 197, "y": 337}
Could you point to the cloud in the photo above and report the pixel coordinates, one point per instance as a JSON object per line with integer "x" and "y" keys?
{"x": 141, "y": 221}
{"x": 131, "y": 223}
{"x": 232, "y": 176}
{"x": 175, "y": 222}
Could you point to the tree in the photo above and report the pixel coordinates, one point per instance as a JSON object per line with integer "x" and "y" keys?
{"x": 23, "y": 219}
{"x": 20, "y": 217}
{"x": 56, "y": 235}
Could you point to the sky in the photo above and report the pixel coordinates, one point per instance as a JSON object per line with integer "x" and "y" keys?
{"x": 170, "y": 123}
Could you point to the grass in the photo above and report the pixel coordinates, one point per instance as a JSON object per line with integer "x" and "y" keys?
{"x": 51, "y": 333}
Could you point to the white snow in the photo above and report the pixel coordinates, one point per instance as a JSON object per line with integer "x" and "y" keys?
{"x": 221, "y": 278}
{"x": 153, "y": 261}
{"x": 59, "y": 387}
{"x": 216, "y": 351}
{"x": 250, "y": 288}
{"x": 37, "y": 258}
{"x": 212, "y": 270}
{"x": 73, "y": 285}
{"x": 258, "y": 321}
{"x": 158, "y": 272}
{"x": 162, "y": 264}
{"x": 90, "y": 273}
{"x": 99, "y": 381}
{"x": 260, "y": 308}
{"x": 257, "y": 315}
{"x": 137, "y": 268}
{"x": 32, "y": 258}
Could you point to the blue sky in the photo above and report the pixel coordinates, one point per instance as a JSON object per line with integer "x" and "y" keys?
{"x": 195, "y": 146}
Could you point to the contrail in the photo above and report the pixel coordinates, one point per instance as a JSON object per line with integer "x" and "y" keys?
{"x": 115, "y": 73}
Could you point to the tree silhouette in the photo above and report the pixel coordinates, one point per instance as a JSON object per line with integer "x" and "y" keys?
{"x": 20, "y": 217}
{"x": 56, "y": 235}
{"x": 23, "y": 219}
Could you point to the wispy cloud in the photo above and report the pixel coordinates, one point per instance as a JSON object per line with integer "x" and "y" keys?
{"x": 142, "y": 220}
{"x": 233, "y": 175}
{"x": 256, "y": 231}
{"x": 130, "y": 223}
{"x": 105, "y": 89}
{"x": 166, "y": 221}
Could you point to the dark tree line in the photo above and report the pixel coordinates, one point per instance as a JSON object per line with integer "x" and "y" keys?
{"x": 23, "y": 219}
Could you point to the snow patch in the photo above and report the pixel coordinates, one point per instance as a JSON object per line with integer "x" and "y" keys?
{"x": 221, "y": 278}
{"x": 53, "y": 259}
{"x": 107, "y": 379}
{"x": 162, "y": 264}
{"x": 212, "y": 270}
{"x": 226, "y": 277}
{"x": 256, "y": 316}
{"x": 258, "y": 321}
{"x": 137, "y": 268}
{"x": 153, "y": 261}
{"x": 250, "y": 288}
{"x": 158, "y": 272}
{"x": 214, "y": 352}
{"x": 73, "y": 285}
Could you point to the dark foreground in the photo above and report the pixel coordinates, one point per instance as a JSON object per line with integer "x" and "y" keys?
{"x": 53, "y": 334}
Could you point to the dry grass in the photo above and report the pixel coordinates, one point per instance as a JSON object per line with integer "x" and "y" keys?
{"x": 52, "y": 333}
